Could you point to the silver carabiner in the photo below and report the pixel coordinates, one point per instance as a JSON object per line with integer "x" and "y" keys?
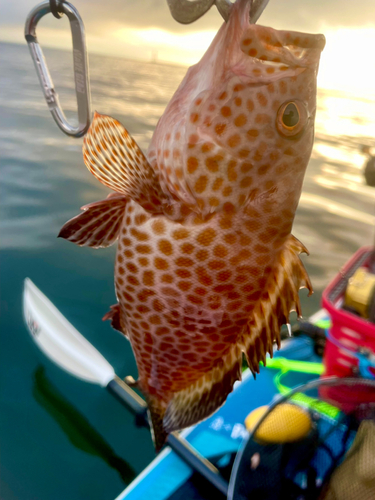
{"x": 80, "y": 63}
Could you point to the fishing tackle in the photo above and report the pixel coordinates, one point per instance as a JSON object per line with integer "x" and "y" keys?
{"x": 186, "y": 12}
{"x": 80, "y": 62}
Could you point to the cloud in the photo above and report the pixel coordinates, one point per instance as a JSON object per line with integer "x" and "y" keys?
{"x": 145, "y": 30}
{"x": 313, "y": 15}
{"x": 119, "y": 27}
{"x": 101, "y": 16}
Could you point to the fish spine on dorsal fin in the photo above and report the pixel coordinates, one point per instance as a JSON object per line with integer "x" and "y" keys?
{"x": 278, "y": 300}
{"x": 115, "y": 159}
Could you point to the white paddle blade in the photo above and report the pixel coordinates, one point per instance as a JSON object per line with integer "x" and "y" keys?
{"x": 60, "y": 341}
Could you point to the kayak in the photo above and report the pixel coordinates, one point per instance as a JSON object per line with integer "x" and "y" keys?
{"x": 220, "y": 437}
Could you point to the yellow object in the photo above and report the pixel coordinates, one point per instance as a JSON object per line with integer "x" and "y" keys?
{"x": 285, "y": 424}
{"x": 360, "y": 291}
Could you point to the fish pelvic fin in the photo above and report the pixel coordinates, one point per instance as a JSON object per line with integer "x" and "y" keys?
{"x": 156, "y": 411}
{"x": 115, "y": 159}
{"x": 206, "y": 395}
{"x": 98, "y": 225}
{"x": 113, "y": 315}
{"x": 278, "y": 300}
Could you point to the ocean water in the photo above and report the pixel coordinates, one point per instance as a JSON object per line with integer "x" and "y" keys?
{"x": 59, "y": 437}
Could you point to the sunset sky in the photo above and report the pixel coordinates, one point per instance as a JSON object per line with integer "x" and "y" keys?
{"x": 138, "y": 28}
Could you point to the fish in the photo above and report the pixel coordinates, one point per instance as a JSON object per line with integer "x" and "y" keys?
{"x": 206, "y": 267}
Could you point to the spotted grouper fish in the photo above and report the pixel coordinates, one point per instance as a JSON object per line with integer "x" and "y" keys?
{"x": 207, "y": 267}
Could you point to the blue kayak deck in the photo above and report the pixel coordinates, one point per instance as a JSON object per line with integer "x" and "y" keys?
{"x": 223, "y": 432}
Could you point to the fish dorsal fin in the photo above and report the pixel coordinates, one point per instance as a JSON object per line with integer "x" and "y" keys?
{"x": 278, "y": 300}
{"x": 116, "y": 160}
{"x": 206, "y": 395}
{"x": 98, "y": 225}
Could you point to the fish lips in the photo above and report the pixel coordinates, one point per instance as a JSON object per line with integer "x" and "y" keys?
{"x": 285, "y": 47}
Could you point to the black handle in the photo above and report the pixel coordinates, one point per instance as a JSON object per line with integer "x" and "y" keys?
{"x": 197, "y": 462}
{"x": 125, "y": 394}
{"x": 179, "y": 445}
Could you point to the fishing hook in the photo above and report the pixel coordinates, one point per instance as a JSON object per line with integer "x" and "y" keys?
{"x": 186, "y": 11}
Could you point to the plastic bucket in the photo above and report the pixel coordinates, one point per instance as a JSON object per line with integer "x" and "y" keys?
{"x": 349, "y": 335}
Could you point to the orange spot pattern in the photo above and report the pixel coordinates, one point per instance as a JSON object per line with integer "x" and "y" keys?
{"x": 238, "y": 121}
{"x": 205, "y": 264}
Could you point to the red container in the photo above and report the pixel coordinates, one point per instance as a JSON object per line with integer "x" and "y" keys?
{"x": 351, "y": 332}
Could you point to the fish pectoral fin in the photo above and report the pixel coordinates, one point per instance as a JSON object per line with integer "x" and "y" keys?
{"x": 115, "y": 159}
{"x": 98, "y": 225}
{"x": 277, "y": 301}
{"x": 206, "y": 395}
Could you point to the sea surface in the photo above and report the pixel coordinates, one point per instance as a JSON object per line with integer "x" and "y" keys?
{"x": 61, "y": 438}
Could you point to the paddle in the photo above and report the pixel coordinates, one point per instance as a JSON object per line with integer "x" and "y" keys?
{"x": 66, "y": 347}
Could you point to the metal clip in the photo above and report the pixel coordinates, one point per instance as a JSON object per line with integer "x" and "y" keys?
{"x": 186, "y": 11}
{"x": 80, "y": 63}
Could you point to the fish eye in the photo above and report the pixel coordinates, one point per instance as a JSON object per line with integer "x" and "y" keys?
{"x": 291, "y": 118}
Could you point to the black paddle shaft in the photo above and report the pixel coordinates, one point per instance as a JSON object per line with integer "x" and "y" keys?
{"x": 130, "y": 399}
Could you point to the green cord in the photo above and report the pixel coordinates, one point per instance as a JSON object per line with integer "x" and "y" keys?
{"x": 285, "y": 365}
{"x": 324, "y": 323}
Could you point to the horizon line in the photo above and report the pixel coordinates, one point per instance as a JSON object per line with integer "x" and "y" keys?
{"x": 340, "y": 92}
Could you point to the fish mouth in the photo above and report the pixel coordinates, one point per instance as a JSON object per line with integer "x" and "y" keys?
{"x": 282, "y": 49}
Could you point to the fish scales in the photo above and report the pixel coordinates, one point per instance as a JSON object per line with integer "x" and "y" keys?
{"x": 206, "y": 266}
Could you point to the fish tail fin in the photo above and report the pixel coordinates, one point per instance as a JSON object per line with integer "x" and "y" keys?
{"x": 278, "y": 300}
{"x": 206, "y": 395}
{"x": 115, "y": 159}
{"x": 98, "y": 225}
{"x": 156, "y": 411}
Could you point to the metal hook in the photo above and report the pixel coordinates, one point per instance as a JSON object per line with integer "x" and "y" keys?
{"x": 257, "y": 8}
{"x": 186, "y": 11}
{"x": 80, "y": 63}
{"x": 56, "y": 8}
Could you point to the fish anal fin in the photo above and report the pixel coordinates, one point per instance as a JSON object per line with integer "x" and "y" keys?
{"x": 115, "y": 159}
{"x": 98, "y": 225}
{"x": 156, "y": 412}
{"x": 278, "y": 300}
{"x": 206, "y": 395}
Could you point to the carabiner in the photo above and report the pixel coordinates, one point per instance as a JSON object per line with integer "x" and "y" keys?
{"x": 80, "y": 63}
